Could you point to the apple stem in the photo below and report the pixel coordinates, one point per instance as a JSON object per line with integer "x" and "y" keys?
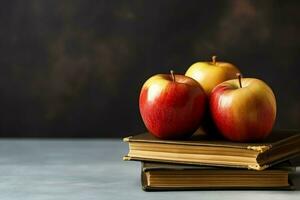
{"x": 214, "y": 58}
{"x": 172, "y": 74}
{"x": 239, "y": 75}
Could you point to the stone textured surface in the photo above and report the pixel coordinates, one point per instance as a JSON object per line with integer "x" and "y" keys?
{"x": 90, "y": 169}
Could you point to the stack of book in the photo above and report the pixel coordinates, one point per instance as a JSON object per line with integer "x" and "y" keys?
{"x": 203, "y": 162}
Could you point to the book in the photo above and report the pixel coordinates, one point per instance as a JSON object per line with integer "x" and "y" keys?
{"x": 202, "y": 149}
{"x": 159, "y": 176}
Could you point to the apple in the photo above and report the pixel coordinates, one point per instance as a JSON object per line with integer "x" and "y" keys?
{"x": 172, "y": 106}
{"x": 210, "y": 74}
{"x": 243, "y": 109}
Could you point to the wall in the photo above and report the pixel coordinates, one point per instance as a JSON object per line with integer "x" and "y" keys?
{"x": 75, "y": 68}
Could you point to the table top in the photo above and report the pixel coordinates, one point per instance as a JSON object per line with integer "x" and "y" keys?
{"x": 90, "y": 169}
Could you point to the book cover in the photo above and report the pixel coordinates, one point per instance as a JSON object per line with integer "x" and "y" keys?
{"x": 201, "y": 149}
{"x": 161, "y": 176}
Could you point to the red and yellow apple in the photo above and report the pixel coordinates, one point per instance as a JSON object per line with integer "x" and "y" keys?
{"x": 210, "y": 74}
{"x": 243, "y": 109}
{"x": 172, "y": 106}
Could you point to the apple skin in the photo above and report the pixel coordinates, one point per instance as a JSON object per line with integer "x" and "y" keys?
{"x": 172, "y": 109}
{"x": 210, "y": 74}
{"x": 244, "y": 114}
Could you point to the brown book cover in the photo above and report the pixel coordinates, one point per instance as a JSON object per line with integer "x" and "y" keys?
{"x": 161, "y": 176}
{"x": 202, "y": 149}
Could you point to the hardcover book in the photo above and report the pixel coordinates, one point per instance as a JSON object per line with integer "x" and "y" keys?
{"x": 201, "y": 149}
{"x": 159, "y": 176}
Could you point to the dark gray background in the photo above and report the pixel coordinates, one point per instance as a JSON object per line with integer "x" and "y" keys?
{"x": 75, "y": 68}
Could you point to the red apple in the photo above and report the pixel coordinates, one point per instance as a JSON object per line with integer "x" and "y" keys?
{"x": 243, "y": 109}
{"x": 171, "y": 106}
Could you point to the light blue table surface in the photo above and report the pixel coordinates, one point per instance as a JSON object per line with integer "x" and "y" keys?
{"x": 90, "y": 170}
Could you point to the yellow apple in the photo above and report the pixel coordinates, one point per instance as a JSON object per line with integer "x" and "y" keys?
{"x": 210, "y": 74}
